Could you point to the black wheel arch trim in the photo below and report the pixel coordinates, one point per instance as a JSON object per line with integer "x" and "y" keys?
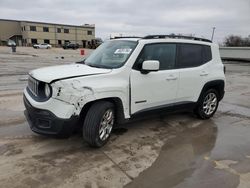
{"x": 219, "y": 85}
{"x": 119, "y": 110}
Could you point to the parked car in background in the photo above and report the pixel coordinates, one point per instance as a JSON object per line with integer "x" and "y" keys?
{"x": 11, "y": 43}
{"x": 70, "y": 46}
{"x": 94, "y": 43}
{"x": 42, "y": 46}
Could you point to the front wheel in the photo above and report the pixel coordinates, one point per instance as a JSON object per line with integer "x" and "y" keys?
{"x": 207, "y": 104}
{"x": 98, "y": 123}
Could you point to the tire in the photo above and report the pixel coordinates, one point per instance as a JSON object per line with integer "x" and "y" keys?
{"x": 95, "y": 133}
{"x": 207, "y": 104}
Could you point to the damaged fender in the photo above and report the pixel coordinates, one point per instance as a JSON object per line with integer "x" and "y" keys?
{"x": 78, "y": 95}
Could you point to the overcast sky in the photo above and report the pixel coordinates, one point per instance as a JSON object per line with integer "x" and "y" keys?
{"x": 140, "y": 17}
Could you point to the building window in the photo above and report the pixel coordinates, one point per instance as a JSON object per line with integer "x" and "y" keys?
{"x": 66, "y": 30}
{"x": 24, "y": 28}
{"x": 45, "y": 29}
{"x": 89, "y": 32}
{"x": 59, "y": 42}
{"x": 66, "y": 41}
{"x": 46, "y": 41}
{"x": 58, "y": 30}
{"x": 33, "y": 41}
{"x": 32, "y": 28}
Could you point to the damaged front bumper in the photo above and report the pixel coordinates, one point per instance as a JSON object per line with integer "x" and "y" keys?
{"x": 45, "y": 122}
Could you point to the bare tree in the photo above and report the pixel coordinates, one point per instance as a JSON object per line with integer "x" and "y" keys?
{"x": 234, "y": 40}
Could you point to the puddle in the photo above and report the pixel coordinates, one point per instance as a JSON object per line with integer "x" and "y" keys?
{"x": 178, "y": 157}
{"x": 189, "y": 160}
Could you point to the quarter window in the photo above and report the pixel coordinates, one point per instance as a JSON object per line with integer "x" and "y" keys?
{"x": 164, "y": 53}
{"x": 207, "y": 55}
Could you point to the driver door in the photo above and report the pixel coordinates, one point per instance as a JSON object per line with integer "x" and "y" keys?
{"x": 154, "y": 89}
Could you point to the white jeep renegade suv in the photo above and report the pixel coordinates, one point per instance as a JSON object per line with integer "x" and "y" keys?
{"x": 122, "y": 78}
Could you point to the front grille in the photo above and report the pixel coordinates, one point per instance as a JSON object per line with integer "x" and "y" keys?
{"x": 33, "y": 86}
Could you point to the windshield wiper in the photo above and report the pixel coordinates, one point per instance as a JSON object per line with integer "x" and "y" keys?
{"x": 99, "y": 66}
{"x": 81, "y": 62}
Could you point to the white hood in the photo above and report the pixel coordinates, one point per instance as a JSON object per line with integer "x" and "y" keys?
{"x": 49, "y": 74}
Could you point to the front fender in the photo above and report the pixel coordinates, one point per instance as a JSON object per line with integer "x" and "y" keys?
{"x": 79, "y": 96}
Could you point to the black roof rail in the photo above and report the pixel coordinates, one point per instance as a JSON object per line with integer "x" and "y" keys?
{"x": 125, "y": 37}
{"x": 176, "y": 37}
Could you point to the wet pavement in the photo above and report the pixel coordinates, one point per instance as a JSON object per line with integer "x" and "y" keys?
{"x": 169, "y": 150}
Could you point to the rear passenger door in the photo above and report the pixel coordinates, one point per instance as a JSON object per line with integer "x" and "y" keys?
{"x": 192, "y": 62}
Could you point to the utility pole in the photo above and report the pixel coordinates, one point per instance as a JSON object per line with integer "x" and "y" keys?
{"x": 213, "y": 33}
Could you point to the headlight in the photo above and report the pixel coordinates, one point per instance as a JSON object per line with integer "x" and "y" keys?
{"x": 47, "y": 90}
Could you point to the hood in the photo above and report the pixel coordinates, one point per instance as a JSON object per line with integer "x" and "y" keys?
{"x": 53, "y": 73}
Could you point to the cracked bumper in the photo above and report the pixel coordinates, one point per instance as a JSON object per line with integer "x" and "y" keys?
{"x": 46, "y": 123}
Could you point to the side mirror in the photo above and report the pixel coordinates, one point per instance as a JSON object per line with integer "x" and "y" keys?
{"x": 150, "y": 65}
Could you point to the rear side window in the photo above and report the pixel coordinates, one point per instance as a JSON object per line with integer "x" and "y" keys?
{"x": 189, "y": 55}
{"x": 193, "y": 55}
{"x": 164, "y": 53}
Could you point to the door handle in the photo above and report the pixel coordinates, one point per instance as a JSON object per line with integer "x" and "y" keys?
{"x": 203, "y": 73}
{"x": 171, "y": 77}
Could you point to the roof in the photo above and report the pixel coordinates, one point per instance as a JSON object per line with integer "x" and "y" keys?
{"x": 85, "y": 26}
{"x": 168, "y": 38}
{"x": 127, "y": 38}
{"x": 176, "y": 37}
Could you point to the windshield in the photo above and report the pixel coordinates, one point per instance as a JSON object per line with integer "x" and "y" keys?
{"x": 111, "y": 54}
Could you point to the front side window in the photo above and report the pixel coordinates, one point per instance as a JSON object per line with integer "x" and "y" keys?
{"x": 111, "y": 54}
{"x": 162, "y": 52}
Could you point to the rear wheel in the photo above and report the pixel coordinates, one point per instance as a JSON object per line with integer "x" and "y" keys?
{"x": 207, "y": 104}
{"x": 98, "y": 123}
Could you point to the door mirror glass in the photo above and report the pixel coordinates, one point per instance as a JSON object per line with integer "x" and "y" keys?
{"x": 150, "y": 65}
